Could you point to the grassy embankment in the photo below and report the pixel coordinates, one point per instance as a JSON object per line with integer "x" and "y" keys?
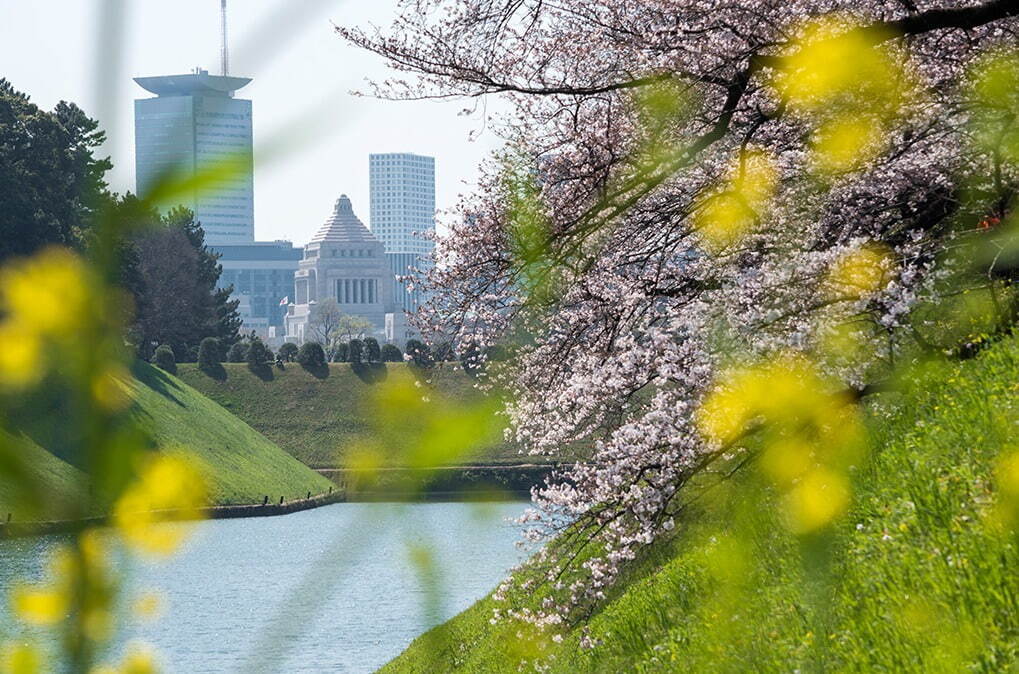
{"x": 921, "y": 581}
{"x": 315, "y": 417}
{"x": 240, "y": 465}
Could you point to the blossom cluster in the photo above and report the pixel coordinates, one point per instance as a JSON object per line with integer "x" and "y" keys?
{"x": 690, "y": 186}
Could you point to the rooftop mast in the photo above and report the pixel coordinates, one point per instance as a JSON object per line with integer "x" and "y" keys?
{"x": 224, "y": 54}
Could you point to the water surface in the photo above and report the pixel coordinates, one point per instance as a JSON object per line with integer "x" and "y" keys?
{"x": 342, "y": 588}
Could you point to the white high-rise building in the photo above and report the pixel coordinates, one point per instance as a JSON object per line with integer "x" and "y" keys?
{"x": 402, "y": 195}
{"x": 195, "y": 124}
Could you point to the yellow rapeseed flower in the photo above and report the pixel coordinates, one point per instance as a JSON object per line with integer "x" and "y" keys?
{"x": 168, "y": 487}
{"x": 110, "y": 390}
{"x": 148, "y": 606}
{"x": 40, "y": 606}
{"x": 786, "y": 460}
{"x": 816, "y": 501}
{"x": 728, "y": 215}
{"x": 843, "y": 144}
{"x": 49, "y": 293}
{"x": 21, "y": 356}
{"x": 833, "y": 59}
{"x": 861, "y": 272}
{"x": 21, "y": 659}
{"x": 140, "y": 659}
{"x": 1007, "y": 480}
{"x": 723, "y": 415}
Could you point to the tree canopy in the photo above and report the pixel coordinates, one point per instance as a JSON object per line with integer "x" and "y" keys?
{"x": 690, "y": 186}
{"x": 51, "y": 183}
{"x": 173, "y": 277}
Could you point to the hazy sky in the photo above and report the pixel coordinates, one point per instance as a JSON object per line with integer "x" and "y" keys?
{"x": 53, "y": 50}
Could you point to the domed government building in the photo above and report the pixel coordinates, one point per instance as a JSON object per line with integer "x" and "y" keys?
{"x": 346, "y": 263}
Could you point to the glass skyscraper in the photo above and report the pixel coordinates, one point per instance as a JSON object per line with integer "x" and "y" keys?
{"x": 195, "y": 124}
{"x": 402, "y": 196}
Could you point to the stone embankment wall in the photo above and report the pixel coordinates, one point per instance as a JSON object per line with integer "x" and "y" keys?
{"x": 482, "y": 481}
{"x": 10, "y": 528}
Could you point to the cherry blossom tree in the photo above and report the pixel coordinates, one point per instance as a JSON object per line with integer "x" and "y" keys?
{"x": 689, "y": 183}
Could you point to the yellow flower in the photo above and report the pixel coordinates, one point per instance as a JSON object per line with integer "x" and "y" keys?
{"x": 140, "y": 659}
{"x": 725, "y": 217}
{"x": 169, "y": 487}
{"x": 1007, "y": 479}
{"x": 109, "y": 388}
{"x": 785, "y": 460}
{"x": 834, "y": 59}
{"x": 1008, "y": 476}
{"x": 21, "y": 356}
{"x": 21, "y": 659}
{"x": 148, "y": 606}
{"x": 817, "y": 500}
{"x": 723, "y": 416}
{"x": 40, "y": 606}
{"x": 861, "y": 272}
{"x": 49, "y": 293}
{"x": 847, "y": 142}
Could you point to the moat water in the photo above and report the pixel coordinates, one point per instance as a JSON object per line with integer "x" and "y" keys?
{"x": 343, "y": 588}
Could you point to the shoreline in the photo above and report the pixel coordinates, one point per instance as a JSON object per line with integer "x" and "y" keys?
{"x": 457, "y": 482}
{"x": 467, "y": 483}
{"x": 10, "y": 530}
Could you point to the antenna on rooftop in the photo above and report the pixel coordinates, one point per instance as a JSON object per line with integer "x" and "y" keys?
{"x": 224, "y": 54}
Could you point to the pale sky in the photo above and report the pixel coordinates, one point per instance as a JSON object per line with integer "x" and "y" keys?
{"x": 302, "y": 73}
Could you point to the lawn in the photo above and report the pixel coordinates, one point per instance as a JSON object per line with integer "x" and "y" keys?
{"x": 918, "y": 578}
{"x": 315, "y": 418}
{"x": 240, "y": 465}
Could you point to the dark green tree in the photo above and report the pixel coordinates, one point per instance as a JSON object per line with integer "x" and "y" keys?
{"x": 311, "y": 356}
{"x": 52, "y": 187}
{"x": 238, "y": 352}
{"x": 341, "y": 352}
{"x": 209, "y": 354}
{"x": 355, "y": 351}
{"x": 176, "y": 298}
{"x": 372, "y": 353}
{"x": 419, "y": 353}
{"x": 391, "y": 354}
{"x": 288, "y": 352}
{"x": 164, "y": 359}
{"x": 258, "y": 354}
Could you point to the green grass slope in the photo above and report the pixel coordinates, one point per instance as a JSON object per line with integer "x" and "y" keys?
{"x": 921, "y": 582}
{"x": 314, "y": 418}
{"x": 62, "y": 481}
{"x": 241, "y": 466}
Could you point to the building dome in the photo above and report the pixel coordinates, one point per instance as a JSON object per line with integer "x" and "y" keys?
{"x": 343, "y": 226}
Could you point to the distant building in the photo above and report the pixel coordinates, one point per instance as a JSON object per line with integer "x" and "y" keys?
{"x": 402, "y": 194}
{"x": 262, "y": 274}
{"x": 194, "y": 123}
{"x": 343, "y": 261}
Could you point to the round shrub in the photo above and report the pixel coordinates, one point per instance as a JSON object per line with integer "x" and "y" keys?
{"x": 419, "y": 353}
{"x": 391, "y": 353}
{"x": 355, "y": 351}
{"x": 209, "y": 355}
{"x": 288, "y": 352}
{"x": 164, "y": 359}
{"x": 341, "y": 352}
{"x": 257, "y": 354}
{"x": 238, "y": 352}
{"x": 311, "y": 356}
{"x": 372, "y": 353}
